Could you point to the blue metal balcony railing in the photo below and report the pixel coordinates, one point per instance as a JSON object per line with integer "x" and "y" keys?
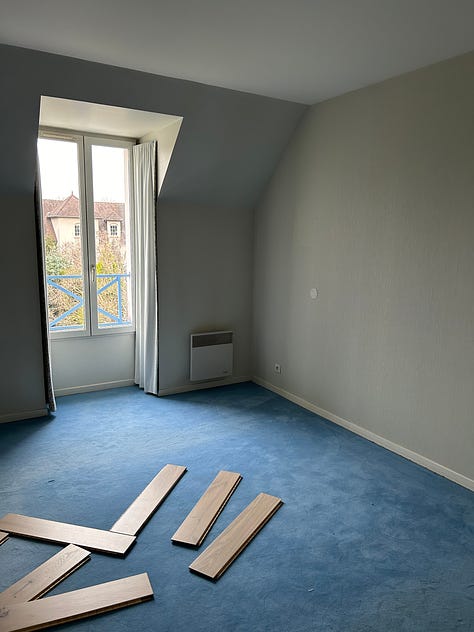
{"x": 55, "y": 280}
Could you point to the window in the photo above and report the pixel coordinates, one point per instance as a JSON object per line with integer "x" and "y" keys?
{"x": 87, "y": 239}
{"x": 114, "y": 229}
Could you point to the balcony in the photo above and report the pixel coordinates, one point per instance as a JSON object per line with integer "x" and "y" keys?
{"x": 66, "y": 301}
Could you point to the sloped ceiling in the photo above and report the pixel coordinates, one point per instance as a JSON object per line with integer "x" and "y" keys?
{"x": 227, "y": 148}
{"x": 303, "y": 50}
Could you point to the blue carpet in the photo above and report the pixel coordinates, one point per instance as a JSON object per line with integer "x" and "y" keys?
{"x": 366, "y": 541}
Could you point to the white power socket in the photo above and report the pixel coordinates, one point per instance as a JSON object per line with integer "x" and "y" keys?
{"x": 277, "y": 368}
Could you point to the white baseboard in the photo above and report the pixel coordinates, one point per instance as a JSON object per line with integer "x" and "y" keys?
{"x": 197, "y": 387}
{"x": 87, "y": 388}
{"x": 456, "y": 477}
{"x": 26, "y": 414}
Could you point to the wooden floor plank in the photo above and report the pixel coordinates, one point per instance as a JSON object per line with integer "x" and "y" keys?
{"x": 63, "y": 533}
{"x": 205, "y": 512}
{"x": 46, "y": 576}
{"x": 145, "y": 505}
{"x": 220, "y": 554}
{"x": 3, "y": 537}
{"x": 77, "y": 604}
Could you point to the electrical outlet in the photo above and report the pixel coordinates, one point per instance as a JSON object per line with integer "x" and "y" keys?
{"x": 277, "y": 368}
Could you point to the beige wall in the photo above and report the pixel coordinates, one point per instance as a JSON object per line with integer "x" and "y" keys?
{"x": 64, "y": 229}
{"x": 373, "y": 205}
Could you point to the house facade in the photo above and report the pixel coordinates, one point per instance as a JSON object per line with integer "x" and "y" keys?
{"x": 61, "y": 220}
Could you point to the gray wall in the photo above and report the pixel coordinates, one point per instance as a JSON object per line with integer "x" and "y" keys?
{"x": 373, "y": 204}
{"x": 209, "y": 250}
{"x": 227, "y": 148}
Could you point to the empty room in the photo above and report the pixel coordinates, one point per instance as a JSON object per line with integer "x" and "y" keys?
{"x": 237, "y": 349}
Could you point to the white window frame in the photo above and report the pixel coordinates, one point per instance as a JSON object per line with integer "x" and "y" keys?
{"x": 116, "y": 225}
{"x": 84, "y": 142}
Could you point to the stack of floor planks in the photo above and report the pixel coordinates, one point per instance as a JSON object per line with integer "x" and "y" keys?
{"x": 20, "y": 605}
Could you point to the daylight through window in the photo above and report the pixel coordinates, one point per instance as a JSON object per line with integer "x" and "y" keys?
{"x": 86, "y": 226}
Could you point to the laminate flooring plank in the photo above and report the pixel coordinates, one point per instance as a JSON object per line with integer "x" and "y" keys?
{"x": 77, "y": 604}
{"x": 46, "y": 576}
{"x": 145, "y": 505}
{"x": 63, "y": 533}
{"x": 3, "y": 537}
{"x": 220, "y": 554}
{"x": 205, "y": 512}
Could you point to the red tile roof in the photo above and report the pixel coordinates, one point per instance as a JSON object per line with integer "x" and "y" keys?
{"x": 69, "y": 207}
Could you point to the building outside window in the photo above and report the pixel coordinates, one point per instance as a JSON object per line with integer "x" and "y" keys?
{"x": 86, "y": 227}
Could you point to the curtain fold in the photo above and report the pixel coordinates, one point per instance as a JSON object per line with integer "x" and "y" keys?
{"x": 47, "y": 375}
{"x": 145, "y": 196}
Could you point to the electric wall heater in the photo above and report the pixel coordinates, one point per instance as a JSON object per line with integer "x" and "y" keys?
{"x": 211, "y": 355}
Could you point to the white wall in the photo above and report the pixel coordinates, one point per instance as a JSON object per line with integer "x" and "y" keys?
{"x": 372, "y": 204}
{"x": 166, "y": 137}
{"x": 92, "y": 362}
{"x": 64, "y": 229}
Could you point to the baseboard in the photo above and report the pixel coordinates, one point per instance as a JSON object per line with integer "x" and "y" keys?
{"x": 198, "y": 387}
{"x": 26, "y": 414}
{"x": 87, "y": 388}
{"x": 456, "y": 477}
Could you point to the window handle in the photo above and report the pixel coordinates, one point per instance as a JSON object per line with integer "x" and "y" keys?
{"x": 93, "y": 273}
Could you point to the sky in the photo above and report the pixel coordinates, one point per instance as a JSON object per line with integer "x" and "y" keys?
{"x": 59, "y": 171}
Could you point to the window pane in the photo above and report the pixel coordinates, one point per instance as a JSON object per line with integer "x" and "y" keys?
{"x": 112, "y": 235}
{"x": 62, "y": 233}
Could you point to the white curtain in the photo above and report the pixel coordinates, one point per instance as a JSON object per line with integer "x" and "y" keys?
{"x": 47, "y": 375}
{"x": 145, "y": 183}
